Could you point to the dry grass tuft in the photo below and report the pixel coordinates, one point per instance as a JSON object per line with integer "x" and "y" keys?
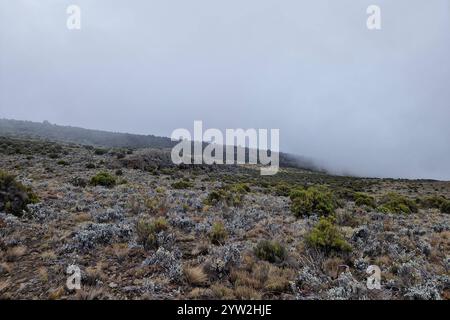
{"x": 195, "y": 275}
{"x": 120, "y": 251}
{"x": 5, "y": 267}
{"x": 15, "y": 252}
{"x": 90, "y": 294}
{"x": 200, "y": 293}
{"x": 331, "y": 266}
{"x": 222, "y": 292}
{"x": 55, "y": 294}
{"x": 246, "y": 293}
{"x": 48, "y": 256}
{"x": 82, "y": 217}
{"x": 43, "y": 274}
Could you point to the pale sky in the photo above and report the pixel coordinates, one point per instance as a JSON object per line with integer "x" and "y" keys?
{"x": 372, "y": 103}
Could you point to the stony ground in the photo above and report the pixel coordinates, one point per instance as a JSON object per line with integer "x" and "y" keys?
{"x": 97, "y": 229}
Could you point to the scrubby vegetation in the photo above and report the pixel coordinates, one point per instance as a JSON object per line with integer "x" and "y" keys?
{"x": 182, "y": 184}
{"x": 218, "y": 233}
{"x": 396, "y": 203}
{"x": 282, "y": 189}
{"x": 104, "y": 179}
{"x": 148, "y": 230}
{"x": 363, "y": 199}
{"x": 271, "y": 251}
{"x": 312, "y": 200}
{"x": 431, "y": 202}
{"x": 14, "y": 196}
{"x": 445, "y": 207}
{"x": 232, "y": 194}
{"x": 149, "y": 239}
{"x": 326, "y": 236}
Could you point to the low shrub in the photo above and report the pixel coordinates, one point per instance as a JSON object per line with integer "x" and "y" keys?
{"x": 182, "y": 184}
{"x": 396, "y": 203}
{"x": 147, "y": 232}
{"x": 218, "y": 233}
{"x": 271, "y": 251}
{"x": 432, "y": 202}
{"x": 363, "y": 199}
{"x": 326, "y": 237}
{"x": 282, "y": 189}
{"x": 63, "y": 163}
{"x": 90, "y": 166}
{"x": 317, "y": 200}
{"x": 232, "y": 195}
{"x": 78, "y": 182}
{"x": 14, "y": 196}
{"x": 445, "y": 207}
{"x": 100, "y": 151}
{"x": 241, "y": 188}
{"x": 103, "y": 179}
{"x": 214, "y": 197}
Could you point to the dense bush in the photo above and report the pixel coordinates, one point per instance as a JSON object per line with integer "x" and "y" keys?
{"x": 317, "y": 200}
{"x": 241, "y": 188}
{"x": 282, "y": 189}
{"x": 215, "y": 196}
{"x": 396, "y": 203}
{"x": 103, "y": 179}
{"x": 14, "y": 196}
{"x": 218, "y": 233}
{"x": 182, "y": 184}
{"x": 90, "y": 165}
{"x": 445, "y": 207}
{"x": 147, "y": 232}
{"x": 432, "y": 202}
{"x": 63, "y": 163}
{"x": 78, "y": 182}
{"x": 232, "y": 194}
{"x": 100, "y": 151}
{"x": 326, "y": 236}
{"x": 363, "y": 199}
{"x": 271, "y": 251}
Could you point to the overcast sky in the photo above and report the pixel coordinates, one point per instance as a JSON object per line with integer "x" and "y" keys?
{"x": 374, "y": 103}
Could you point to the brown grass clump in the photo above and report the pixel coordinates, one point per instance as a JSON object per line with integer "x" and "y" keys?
{"x": 247, "y": 293}
{"x": 43, "y": 274}
{"x": 82, "y": 217}
{"x": 15, "y": 252}
{"x": 222, "y": 292}
{"x": 48, "y": 255}
{"x": 120, "y": 251}
{"x": 245, "y": 278}
{"x": 93, "y": 275}
{"x": 90, "y": 294}
{"x": 440, "y": 244}
{"x": 5, "y": 267}
{"x": 195, "y": 276}
{"x": 331, "y": 266}
{"x": 263, "y": 277}
{"x": 55, "y": 294}
{"x": 200, "y": 293}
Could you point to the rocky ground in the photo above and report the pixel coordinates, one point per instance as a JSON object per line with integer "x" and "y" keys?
{"x": 163, "y": 232}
